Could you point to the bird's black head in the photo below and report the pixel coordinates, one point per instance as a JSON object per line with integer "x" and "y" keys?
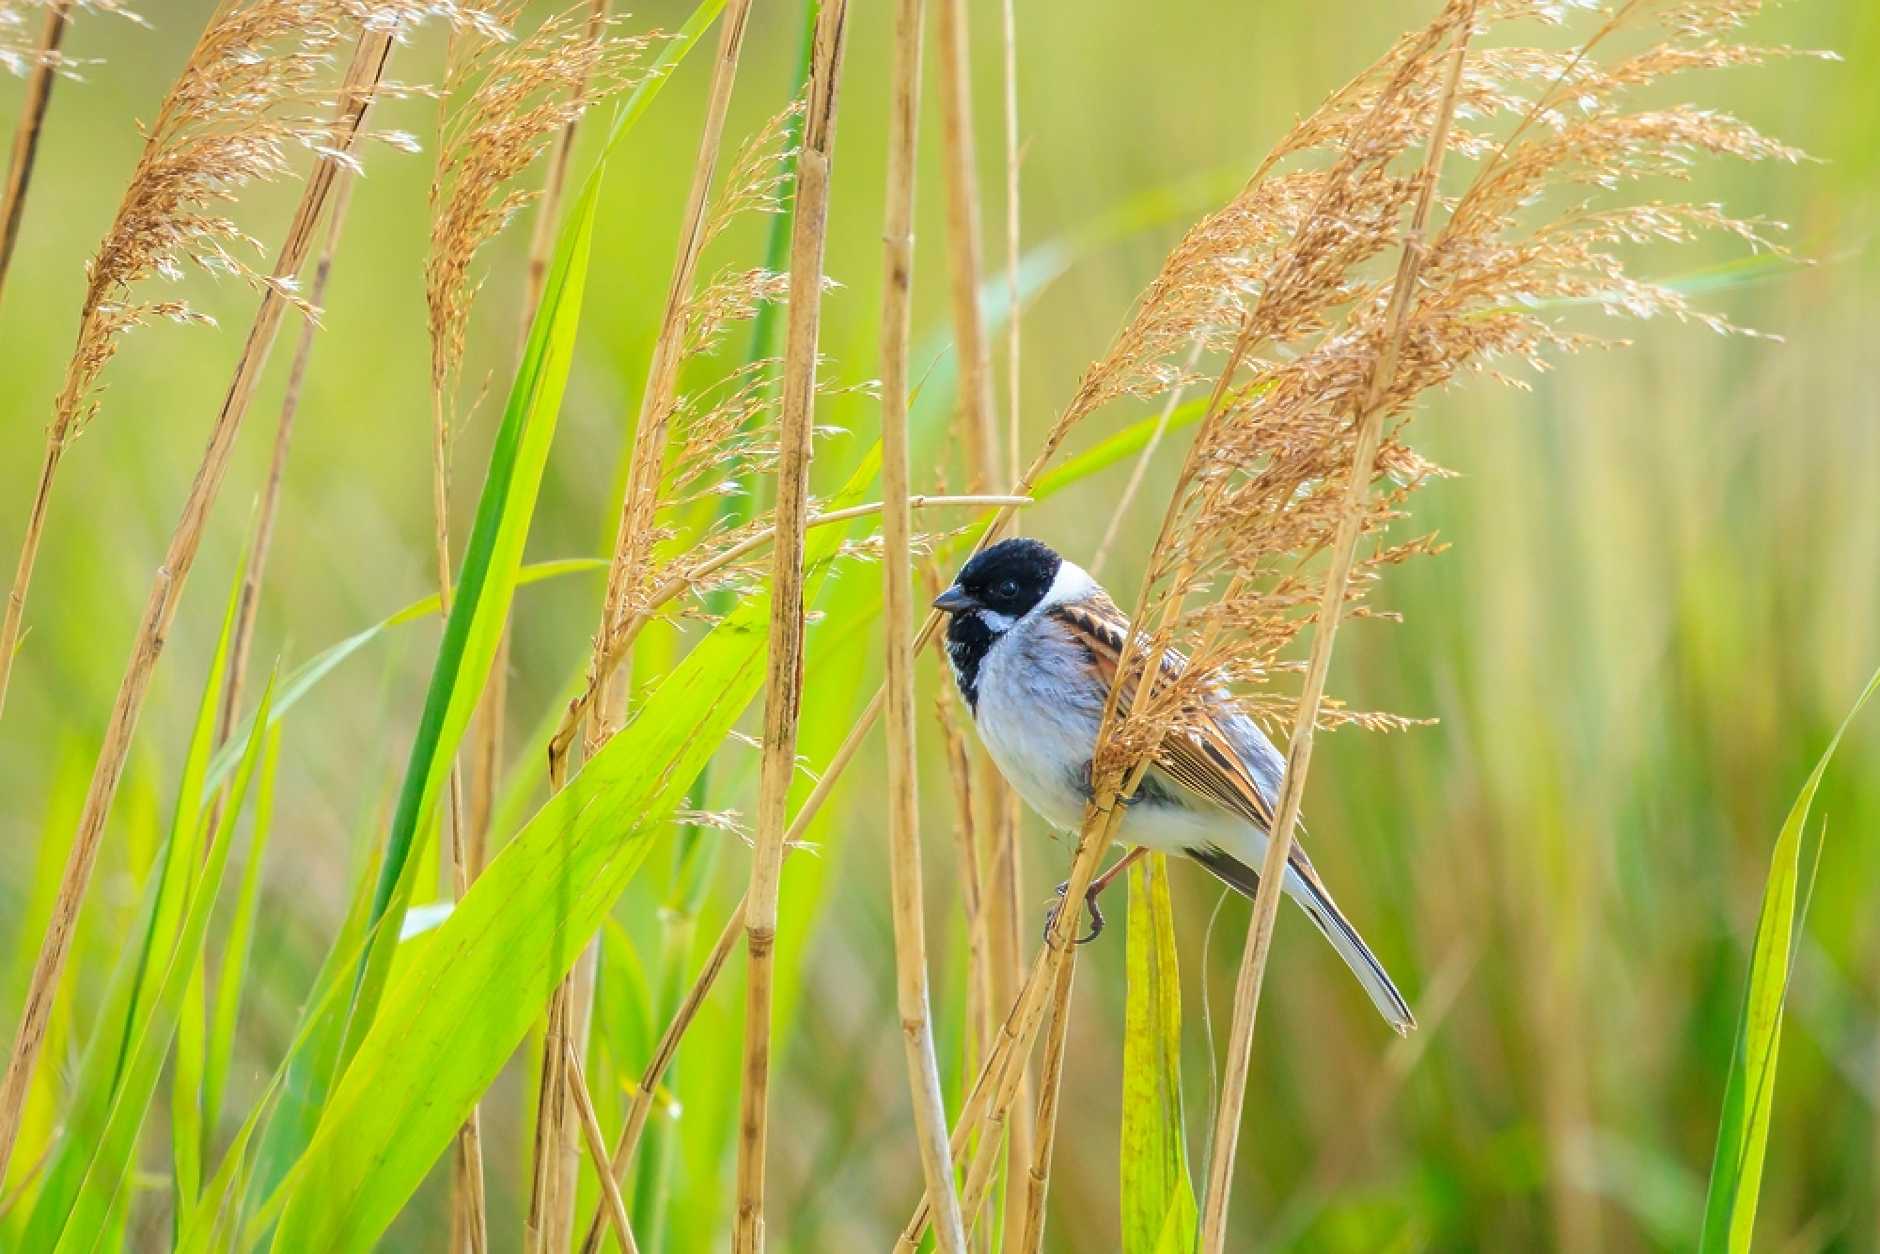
{"x": 1008, "y": 579}
{"x": 993, "y": 591}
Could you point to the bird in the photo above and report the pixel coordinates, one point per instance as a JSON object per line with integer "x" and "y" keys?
{"x": 1034, "y": 643}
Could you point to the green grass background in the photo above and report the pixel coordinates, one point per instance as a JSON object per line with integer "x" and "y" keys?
{"x": 1660, "y": 596}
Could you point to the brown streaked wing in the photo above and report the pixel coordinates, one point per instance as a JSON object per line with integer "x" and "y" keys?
{"x": 1197, "y": 754}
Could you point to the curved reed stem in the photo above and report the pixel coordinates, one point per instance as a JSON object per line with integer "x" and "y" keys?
{"x": 1050, "y": 1088}
{"x": 965, "y": 250}
{"x": 668, "y": 1047}
{"x": 1225, "y": 1140}
{"x": 362, "y": 77}
{"x": 910, "y": 936}
{"x": 783, "y": 686}
{"x": 26, "y": 137}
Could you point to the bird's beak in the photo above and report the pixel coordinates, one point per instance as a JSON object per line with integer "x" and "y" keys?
{"x": 953, "y": 600}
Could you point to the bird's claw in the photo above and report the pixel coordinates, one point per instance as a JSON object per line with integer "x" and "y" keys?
{"x": 1090, "y": 903}
{"x": 1087, "y": 785}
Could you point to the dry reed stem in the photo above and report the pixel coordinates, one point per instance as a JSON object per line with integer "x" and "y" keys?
{"x": 784, "y": 667}
{"x": 216, "y": 130}
{"x": 550, "y": 1224}
{"x": 1369, "y": 419}
{"x": 248, "y": 609}
{"x": 554, "y": 187}
{"x": 26, "y": 136}
{"x": 910, "y": 934}
{"x": 638, "y": 514}
{"x": 1141, "y": 469}
{"x": 1005, "y": 924}
{"x": 597, "y": 1150}
{"x": 487, "y": 751}
{"x": 687, "y": 1011}
{"x": 983, "y": 1122}
{"x": 469, "y": 1211}
{"x": 361, "y": 79}
{"x": 518, "y": 97}
{"x": 964, "y": 249}
{"x": 511, "y": 96}
{"x": 1009, "y": 31}
{"x": 551, "y": 1102}
{"x": 1050, "y": 1088}
{"x": 1000, "y": 1078}
{"x": 977, "y": 418}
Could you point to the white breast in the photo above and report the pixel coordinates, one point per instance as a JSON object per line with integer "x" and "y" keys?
{"x": 1038, "y": 716}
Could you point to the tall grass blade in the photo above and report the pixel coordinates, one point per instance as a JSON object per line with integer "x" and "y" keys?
{"x": 1749, "y": 1091}
{"x": 217, "y": 1217}
{"x": 234, "y": 974}
{"x": 107, "y": 1177}
{"x": 309, "y": 1068}
{"x": 186, "y": 1122}
{"x": 44, "y": 1113}
{"x": 1158, "y": 1196}
{"x": 487, "y": 579}
{"x": 167, "y": 901}
{"x": 458, "y": 1013}
{"x": 494, "y": 556}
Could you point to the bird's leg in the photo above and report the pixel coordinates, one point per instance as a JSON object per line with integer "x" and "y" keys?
{"x": 1090, "y": 897}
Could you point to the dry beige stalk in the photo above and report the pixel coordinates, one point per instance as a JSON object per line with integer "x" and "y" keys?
{"x": 1370, "y": 423}
{"x": 157, "y": 226}
{"x": 486, "y": 755}
{"x": 701, "y": 446}
{"x": 910, "y": 933}
{"x": 783, "y": 681}
{"x": 633, "y": 545}
{"x": 977, "y": 413}
{"x": 248, "y": 608}
{"x": 241, "y": 104}
{"x": 634, "y": 541}
{"x": 1050, "y": 1088}
{"x": 504, "y": 100}
{"x": 978, "y": 427}
{"x": 597, "y": 1150}
{"x": 44, "y": 61}
{"x": 688, "y": 1008}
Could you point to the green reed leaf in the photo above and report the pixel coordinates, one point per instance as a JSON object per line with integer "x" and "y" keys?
{"x": 1749, "y": 1090}
{"x": 1157, "y": 1195}
{"x": 459, "y": 1011}
{"x": 107, "y": 1175}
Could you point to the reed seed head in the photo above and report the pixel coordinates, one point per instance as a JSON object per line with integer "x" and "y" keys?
{"x": 1290, "y": 290}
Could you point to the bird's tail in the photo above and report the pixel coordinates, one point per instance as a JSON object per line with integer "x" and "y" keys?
{"x": 1324, "y": 912}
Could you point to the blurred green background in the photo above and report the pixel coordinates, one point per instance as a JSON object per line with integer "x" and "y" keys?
{"x": 1659, "y": 598}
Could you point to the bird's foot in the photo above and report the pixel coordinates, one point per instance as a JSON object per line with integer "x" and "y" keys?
{"x": 1090, "y": 897}
{"x": 1087, "y": 785}
{"x": 1090, "y": 904}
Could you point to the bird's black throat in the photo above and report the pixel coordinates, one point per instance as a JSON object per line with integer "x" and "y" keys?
{"x": 968, "y": 640}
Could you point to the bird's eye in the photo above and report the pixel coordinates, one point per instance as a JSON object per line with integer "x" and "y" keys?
{"x": 1007, "y": 590}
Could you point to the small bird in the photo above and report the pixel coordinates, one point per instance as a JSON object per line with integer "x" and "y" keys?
{"x": 1035, "y": 643}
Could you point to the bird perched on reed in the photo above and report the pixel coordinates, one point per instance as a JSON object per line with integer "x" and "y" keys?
{"x": 1035, "y": 643}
